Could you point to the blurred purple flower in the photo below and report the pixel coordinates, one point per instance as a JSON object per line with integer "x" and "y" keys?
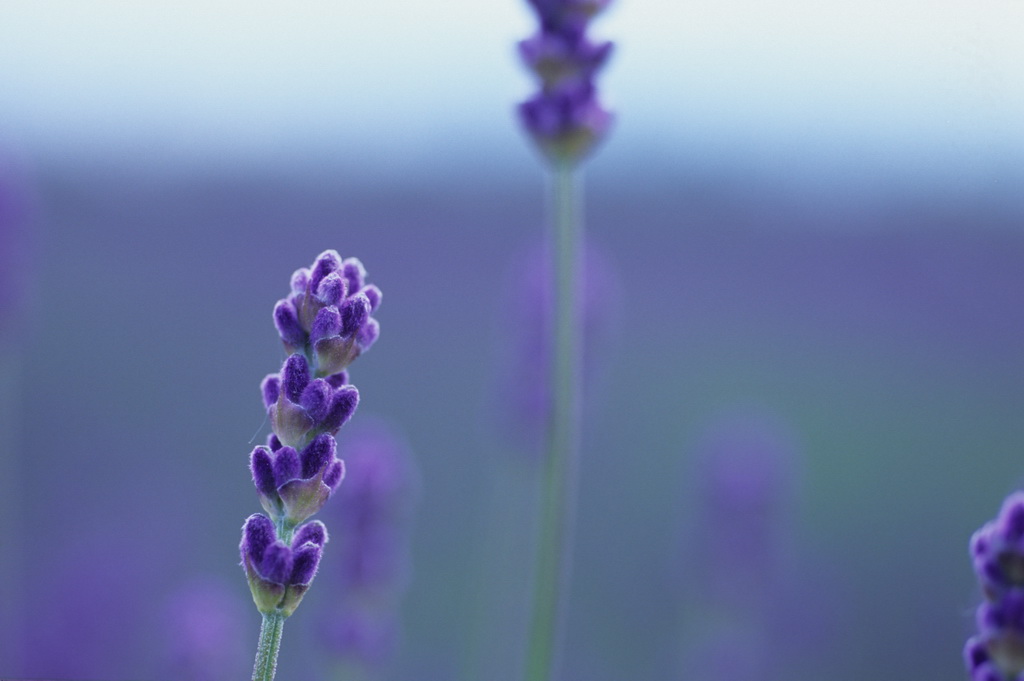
{"x": 565, "y": 118}
{"x": 745, "y": 474}
{"x": 524, "y": 392}
{"x": 205, "y": 633}
{"x": 372, "y": 517}
{"x": 996, "y": 653}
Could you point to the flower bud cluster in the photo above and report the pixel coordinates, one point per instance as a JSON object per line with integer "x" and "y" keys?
{"x": 327, "y": 317}
{"x": 996, "y": 653}
{"x": 325, "y": 324}
{"x": 280, "y": 573}
{"x": 565, "y": 117}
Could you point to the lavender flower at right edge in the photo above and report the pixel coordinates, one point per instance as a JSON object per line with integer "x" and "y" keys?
{"x": 996, "y": 653}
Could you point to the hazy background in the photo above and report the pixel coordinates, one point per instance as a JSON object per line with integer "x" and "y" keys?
{"x": 813, "y": 212}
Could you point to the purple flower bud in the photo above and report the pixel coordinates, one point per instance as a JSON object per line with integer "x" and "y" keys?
{"x": 354, "y": 273}
{"x": 374, "y": 295}
{"x": 314, "y": 532}
{"x": 295, "y": 377}
{"x": 257, "y": 534}
{"x": 334, "y": 474}
{"x": 315, "y": 456}
{"x": 307, "y": 558}
{"x": 287, "y": 466}
{"x": 316, "y": 399}
{"x": 343, "y": 406}
{"x": 262, "y": 466}
{"x": 271, "y": 389}
{"x": 274, "y": 442}
{"x": 368, "y": 335}
{"x": 326, "y": 324}
{"x": 300, "y": 280}
{"x": 276, "y": 565}
{"x": 354, "y": 313}
{"x": 332, "y": 289}
{"x": 286, "y": 319}
{"x": 325, "y": 263}
{"x": 337, "y": 380}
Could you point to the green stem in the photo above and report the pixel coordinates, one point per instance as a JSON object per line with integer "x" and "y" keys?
{"x": 560, "y": 462}
{"x": 269, "y": 645}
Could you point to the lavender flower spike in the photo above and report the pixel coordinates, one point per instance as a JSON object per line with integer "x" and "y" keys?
{"x": 325, "y": 324}
{"x": 996, "y": 653}
{"x": 565, "y": 118}
{"x": 328, "y": 315}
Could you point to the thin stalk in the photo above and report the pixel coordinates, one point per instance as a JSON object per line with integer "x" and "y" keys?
{"x": 269, "y": 646}
{"x": 558, "y": 493}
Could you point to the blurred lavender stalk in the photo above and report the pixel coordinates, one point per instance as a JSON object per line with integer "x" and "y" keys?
{"x": 521, "y": 409}
{"x": 745, "y": 475}
{"x": 565, "y": 121}
{"x": 372, "y": 519}
{"x": 205, "y": 633}
{"x": 13, "y": 272}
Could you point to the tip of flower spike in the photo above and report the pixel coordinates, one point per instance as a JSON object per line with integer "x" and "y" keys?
{"x": 354, "y": 272}
{"x": 262, "y": 466}
{"x": 313, "y": 532}
{"x": 271, "y": 389}
{"x": 325, "y": 263}
{"x": 332, "y": 289}
{"x": 286, "y": 319}
{"x": 294, "y": 377}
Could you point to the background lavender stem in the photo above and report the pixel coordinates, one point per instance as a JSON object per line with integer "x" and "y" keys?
{"x": 558, "y": 493}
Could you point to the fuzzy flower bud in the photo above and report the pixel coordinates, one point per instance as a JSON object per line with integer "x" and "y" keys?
{"x": 996, "y": 653}
{"x": 279, "y": 574}
{"x": 327, "y": 316}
